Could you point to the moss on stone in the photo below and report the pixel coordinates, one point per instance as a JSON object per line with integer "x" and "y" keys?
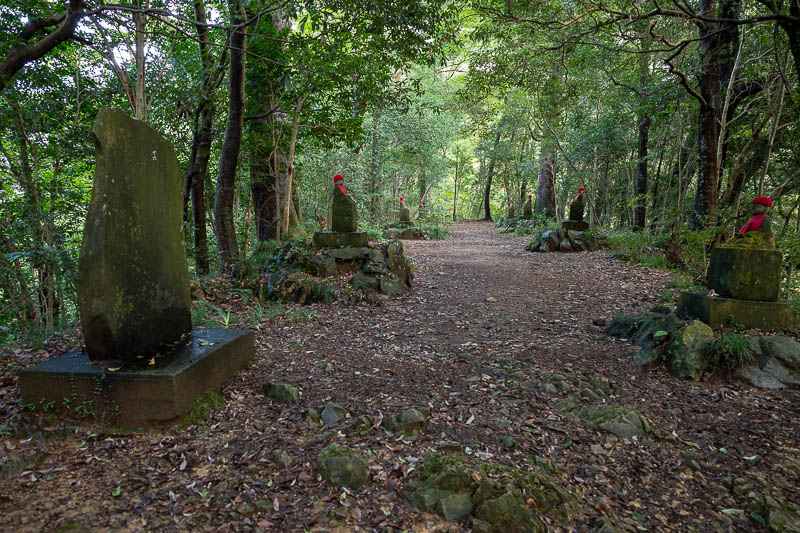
{"x": 206, "y": 404}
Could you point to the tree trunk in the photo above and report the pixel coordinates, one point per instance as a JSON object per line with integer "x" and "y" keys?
{"x": 290, "y": 173}
{"x": 140, "y": 21}
{"x": 487, "y": 192}
{"x": 640, "y": 216}
{"x": 265, "y": 188}
{"x": 229, "y": 158}
{"x": 201, "y": 145}
{"x": 546, "y": 187}
{"x": 641, "y": 178}
{"x": 705, "y": 203}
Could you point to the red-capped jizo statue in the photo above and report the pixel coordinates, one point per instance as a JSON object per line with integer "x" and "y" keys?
{"x": 576, "y": 207}
{"x": 405, "y": 213}
{"x": 344, "y": 217}
{"x": 760, "y": 221}
{"x": 527, "y": 209}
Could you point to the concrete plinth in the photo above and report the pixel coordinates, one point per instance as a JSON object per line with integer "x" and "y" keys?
{"x": 718, "y": 312}
{"x": 145, "y": 394}
{"x": 574, "y": 225}
{"x": 338, "y": 239}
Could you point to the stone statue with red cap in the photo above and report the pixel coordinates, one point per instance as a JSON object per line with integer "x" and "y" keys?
{"x": 760, "y": 221}
{"x": 511, "y": 211}
{"x": 344, "y": 217}
{"x": 577, "y": 206}
{"x": 527, "y": 209}
{"x": 404, "y": 215}
{"x": 344, "y": 221}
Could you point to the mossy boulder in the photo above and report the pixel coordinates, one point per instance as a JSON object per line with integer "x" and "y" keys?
{"x": 278, "y": 392}
{"x": 508, "y": 514}
{"x": 333, "y": 413}
{"x": 407, "y": 421}
{"x": 456, "y": 488}
{"x": 343, "y": 466}
{"x": 688, "y": 350}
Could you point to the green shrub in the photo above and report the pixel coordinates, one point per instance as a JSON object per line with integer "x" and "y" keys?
{"x": 436, "y": 232}
{"x": 730, "y": 350}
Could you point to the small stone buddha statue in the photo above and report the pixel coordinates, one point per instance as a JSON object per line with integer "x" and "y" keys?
{"x": 344, "y": 217}
{"x": 527, "y": 209}
{"x": 576, "y": 207}
{"x": 510, "y": 212}
{"x": 404, "y": 215}
{"x": 760, "y": 221}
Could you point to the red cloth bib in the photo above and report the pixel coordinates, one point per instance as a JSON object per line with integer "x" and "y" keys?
{"x": 753, "y": 224}
{"x": 341, "y": 188}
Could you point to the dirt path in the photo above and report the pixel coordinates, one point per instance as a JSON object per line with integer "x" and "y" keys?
{"x": 485, "y": 333}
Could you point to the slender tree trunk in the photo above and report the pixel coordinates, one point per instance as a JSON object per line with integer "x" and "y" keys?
{"x": 290, "y": 173}
{"x": 487, "y": 192}
{"x": 641, "y": 177}
{"x": 229, "y": 158}
{"x": 455, "y": 184}
{"x": 140, "y": 21}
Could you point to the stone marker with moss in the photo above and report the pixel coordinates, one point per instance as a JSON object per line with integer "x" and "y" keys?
{"x": 344, "y": 221}
{"x": 133, "y": 278}
{"x": 142, "y": 363}
{"x": 575, "y": 221}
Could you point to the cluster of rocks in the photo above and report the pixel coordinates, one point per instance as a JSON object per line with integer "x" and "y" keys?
{"x": 687, "y": 349}
{"x": 563, "y": 240}
{"x": 586, "y": 399}
{"x": 404, "y": 228}
{"x": 304, "y": 276}
{"x": 490, "y": 497}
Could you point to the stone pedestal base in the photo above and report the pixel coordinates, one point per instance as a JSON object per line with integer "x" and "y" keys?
{"x": 718, "y": 312}
{"x": 575, "y": 225}
{"x": 148, "y": 395}
{"x": 745, "y": 273}
{"x": 334, "y": 239}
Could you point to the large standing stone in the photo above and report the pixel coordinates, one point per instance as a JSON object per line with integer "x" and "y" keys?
{"x": 405, "y": 214}
{"x": 344, "y": 215}
{"x": 133, "y": 278}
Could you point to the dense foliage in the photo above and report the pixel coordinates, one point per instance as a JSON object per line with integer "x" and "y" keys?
{"x": 672, "y": 116}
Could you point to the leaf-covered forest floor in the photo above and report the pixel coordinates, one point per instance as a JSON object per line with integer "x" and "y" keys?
{"x": 487, "y": 327}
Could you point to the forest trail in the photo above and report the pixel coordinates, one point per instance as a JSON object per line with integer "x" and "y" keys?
{"x": 492, "y": 340}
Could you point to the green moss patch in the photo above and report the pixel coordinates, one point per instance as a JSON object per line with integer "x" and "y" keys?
{"x": 496, "y": 498}
{"x": 206, "y": 404}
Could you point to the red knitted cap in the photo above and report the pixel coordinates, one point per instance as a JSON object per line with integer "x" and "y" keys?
{"x": 763, "y": 200}
{"x": 402, "y": 198}
{"x": 338, "y": 177}
{"x": 581, "y": 189}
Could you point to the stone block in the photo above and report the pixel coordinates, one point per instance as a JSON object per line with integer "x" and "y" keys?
{"x": 718, "y": 312}
{"x": 574, "y": 225}
{"x": 745, "y": 273}
{"x": 334, "y": 239}
{"x": 133, "y": 277}
{"x": 405, "y": 215}
{"x": 527, "y": 211}
{"x": 143, "y": 394}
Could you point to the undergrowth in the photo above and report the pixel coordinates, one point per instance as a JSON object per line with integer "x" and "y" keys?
{"x": 730, "y": 351}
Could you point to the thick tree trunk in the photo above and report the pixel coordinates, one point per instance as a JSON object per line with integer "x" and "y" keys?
{"x": 229, "y": 158}
{"x": 705, "y": 203}
{"x": 546, "y": 187}
{"x": 265, "y": 188}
